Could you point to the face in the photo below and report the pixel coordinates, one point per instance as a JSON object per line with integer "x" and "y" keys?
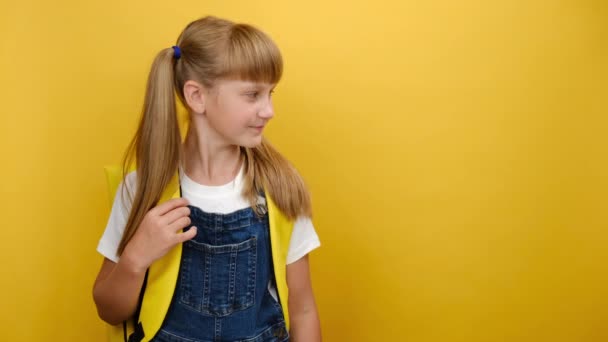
{"x": 237, "y": 111}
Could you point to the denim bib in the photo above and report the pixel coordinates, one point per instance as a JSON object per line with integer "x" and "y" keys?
{"x": 222, "y": 290}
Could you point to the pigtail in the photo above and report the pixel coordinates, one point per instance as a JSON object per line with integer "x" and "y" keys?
{"x": 267, "y": 170}
{"x": 156, "y": 147}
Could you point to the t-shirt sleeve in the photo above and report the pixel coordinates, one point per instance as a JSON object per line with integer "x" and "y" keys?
{"x": 304, "y": 239}
{"x": 108, "y": 244}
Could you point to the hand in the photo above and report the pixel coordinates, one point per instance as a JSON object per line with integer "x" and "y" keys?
{"x": 159, "y": 231}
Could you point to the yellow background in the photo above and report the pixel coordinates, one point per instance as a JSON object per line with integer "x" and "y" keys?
{"x": 456, "y": 152}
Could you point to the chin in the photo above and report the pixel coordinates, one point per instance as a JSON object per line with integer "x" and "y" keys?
{"x": 252, "y": 143}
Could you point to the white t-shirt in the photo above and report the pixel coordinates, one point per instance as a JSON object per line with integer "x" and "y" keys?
{"x": 223, "y": 199}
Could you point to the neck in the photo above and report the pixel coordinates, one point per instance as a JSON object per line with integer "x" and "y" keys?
{"x": 208, "y": 162}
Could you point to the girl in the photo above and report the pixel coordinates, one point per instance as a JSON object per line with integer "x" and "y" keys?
{"x": 211, "y": 241}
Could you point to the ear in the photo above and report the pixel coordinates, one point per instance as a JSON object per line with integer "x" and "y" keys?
{"x": 195, "y": 95}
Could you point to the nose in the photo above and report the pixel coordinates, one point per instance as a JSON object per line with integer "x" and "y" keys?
{"x": 267, "y": 111}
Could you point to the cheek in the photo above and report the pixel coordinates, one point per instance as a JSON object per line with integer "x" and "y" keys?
{"x": 239, "y": 113}
{"x": 233, "y": 119}
{"x": 236, "y": 113}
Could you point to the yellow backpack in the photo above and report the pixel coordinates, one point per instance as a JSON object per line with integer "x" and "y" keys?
{"x": 162, "y": 275}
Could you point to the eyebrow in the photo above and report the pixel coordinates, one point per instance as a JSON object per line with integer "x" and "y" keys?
{"x": 257, "y": 86}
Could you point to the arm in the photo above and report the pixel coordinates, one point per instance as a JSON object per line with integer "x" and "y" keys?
{"x": 305, "y": 325}
{"x": 116, "y": 290}
{"x": 117, "y": 287}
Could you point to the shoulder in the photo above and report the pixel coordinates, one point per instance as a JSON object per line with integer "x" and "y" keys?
{"x": 130, "y": 180}
{"x": 123, "y": 193}
{"x": 304, "y": 239}
{"x": 128, "y": 184}
{"x": 108, "y": 244}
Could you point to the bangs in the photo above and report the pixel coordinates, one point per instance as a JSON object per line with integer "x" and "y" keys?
{"x": 251, "y": 56}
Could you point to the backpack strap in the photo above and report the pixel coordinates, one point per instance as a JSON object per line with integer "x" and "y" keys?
{"x": 139, "y": 333}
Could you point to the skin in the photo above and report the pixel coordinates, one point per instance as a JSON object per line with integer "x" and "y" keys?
{"x": 232, "y": 113}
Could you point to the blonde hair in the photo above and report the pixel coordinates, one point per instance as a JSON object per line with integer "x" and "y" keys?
{"x": 211, "y": 49}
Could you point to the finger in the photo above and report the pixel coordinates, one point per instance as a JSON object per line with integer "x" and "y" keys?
{"x": 187, "y": 235}
{"x": 179, "y": 224}
{"x": 169, "y": 205}
{"x": 175, "y": 214}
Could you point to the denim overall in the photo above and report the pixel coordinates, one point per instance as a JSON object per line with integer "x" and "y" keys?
{"x": 222, "y": 290}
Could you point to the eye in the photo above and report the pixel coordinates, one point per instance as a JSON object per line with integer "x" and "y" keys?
{"x": 253, "y": 95}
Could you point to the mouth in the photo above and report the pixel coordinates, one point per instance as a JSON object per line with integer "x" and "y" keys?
{"x": 258, "y": 128}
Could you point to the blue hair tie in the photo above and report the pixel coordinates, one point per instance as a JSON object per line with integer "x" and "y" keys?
{"x": 177, "y": 53}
